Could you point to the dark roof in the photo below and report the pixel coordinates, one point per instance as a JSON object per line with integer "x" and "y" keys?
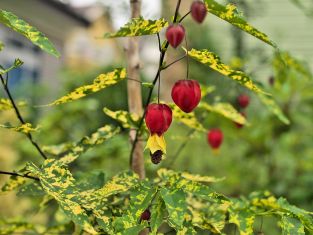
{"x": 67, "y": 10}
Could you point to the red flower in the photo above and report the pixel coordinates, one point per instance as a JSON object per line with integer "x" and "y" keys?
{"x": 186, "y": 94}
{"x": 198, "y": 11}
{"x": 145, "y": 215}
{"x": 158, "y": 118}
{"x": 175, "y": 34}
{"x": 215, "y": 138}
{"x": 243, "y": 100}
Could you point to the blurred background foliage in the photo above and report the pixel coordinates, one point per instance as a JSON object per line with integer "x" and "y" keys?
{"x": 267, "y": 155}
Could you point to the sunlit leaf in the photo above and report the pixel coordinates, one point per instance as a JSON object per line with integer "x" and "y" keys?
{"x": 12, "y": 227}
{"x": 230, "y": 14}
{"x": 139, "y": 27}
{"x": 273, "y": 107}
{"x": 1, "y": 46}
{"x": 125, "y": 118}
{"x": 30, "y": 32}
{"x": 189, "y": 119}
{"x": 214, "y": 62}
{"x": 13, "y": 183}
{"x": 25, "y": 128}
{"x": 226, "y": 110}
{"x": 101, "y": 82}
{"x": 158, "y": 211}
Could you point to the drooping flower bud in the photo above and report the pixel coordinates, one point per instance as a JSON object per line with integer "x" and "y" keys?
{"x": 215, "y": 138}
{"x": 243, "y": 101}
{"x": 198, "y": 11}
{"x": 158, "y": 118}
{"x": 175, "y": 34}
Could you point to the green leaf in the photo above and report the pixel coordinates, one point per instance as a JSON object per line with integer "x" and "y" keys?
{"x": 230, "y": 14}
{"x": 31, "y": 189}
{"x": 244, "y": 220}
{"x": 101, "y": 82}
{"x": 126, "y": 119}
{"x": 13, "y": 183}
{"x": 188, "y": 119}
{"x": 214, "y": 62}
{"x": 291, "y": 225}
{"x": 59, "y": 183}
{"x": 70, "y": 152}
{"x": 15, "y": 227}
{"x": 158, "y": 210}
{"x": 139, "y": 27}
{"x": 25, "y": 128}
{"x": 226, "y": 110}
{"x": 274, "y": 108}
{"x": 17, "y": 63}
{"x": 205, "y": 90}
{"x": 5, "y": 104}
{"x": 175, "y": 201}
{"x": 22, "y": 27}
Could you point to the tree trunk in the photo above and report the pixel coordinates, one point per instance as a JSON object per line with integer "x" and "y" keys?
{"x": 134, "y": 91}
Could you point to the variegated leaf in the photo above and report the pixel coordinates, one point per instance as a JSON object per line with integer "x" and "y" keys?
{"x": 244, "y": 220}
{"x": 70, "y": 152}
{"x": 25, "y": 128}
{"x": 5, "y": 104}
{"x": 101, "y": 82}
{"x": 139, "y": 27}
{"x": 13, "y": 183}
{"x": 8, "y": 227}
{"x": 226, "y": 110}
{"x": 175, "y": 202}
{"x": 126, "y": 119}
{"x": 230, "y": 14}
{"x": 273, "y": 107}
{"x": 17, "y": 63}
{"x": 291, "y": 226}
{"x": 158, "y": 211}
{"x": 214, "y": 62}
{"x": 188, "y": 119}
{"x": 59, "y": 183}
{"x": 30, "y": 32}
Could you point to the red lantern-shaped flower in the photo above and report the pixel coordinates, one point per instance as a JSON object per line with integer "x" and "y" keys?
{"x": 198, "y": 11}
{"x": 175, "y": 34}
{"x": 186, "y": 94}
{"x": 243, "y": 101}
{"x": 215, "y": 138}
{"x": 158, "y": 118}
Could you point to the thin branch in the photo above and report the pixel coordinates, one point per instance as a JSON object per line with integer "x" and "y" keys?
{"x": 180, "y": 148}
{"x": 16, "y": 174}
{"x": 19, "y": 116}
{"x": 175, "y": 61}
{"x": 162, "y": 56}
{"x": 181, "y": 19}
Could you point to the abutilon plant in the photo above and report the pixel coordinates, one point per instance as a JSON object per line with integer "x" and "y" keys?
{"x": 186, "y": 94}
{"x": 215, "y": 138}
{"x": 175, "y": 34}
{"x": 243, "y": 100}
{"x": 238, "y": 125}
{"x": 198, "y": 11}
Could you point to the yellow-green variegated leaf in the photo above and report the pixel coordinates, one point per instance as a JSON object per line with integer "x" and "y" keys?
{"x": 188, "y": 119}
{"x": 5, "y": 104}
{"x": 291, "y": 225}
{"x": 30, "y": 32}
{"x": 244, "y": 220}
{"x": 101, "y": 82}
{"x": 25, "y": 128}
{"x": 230, "y": 14}
{"x": 59, "y": 183}
{"x": 70, "y": 152}
{"x": 139, "y": 27}
{"x": 126, "y": 119}
{"x": 16, "y": 227}
{"x": 17, "y": 63}
{"x": 214, "y": 62}
{"x": 226, "y": 110}
{"x": 273, "y": 107}
{"x": 175, "y": 202}
{"x": 13, "y": 183}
